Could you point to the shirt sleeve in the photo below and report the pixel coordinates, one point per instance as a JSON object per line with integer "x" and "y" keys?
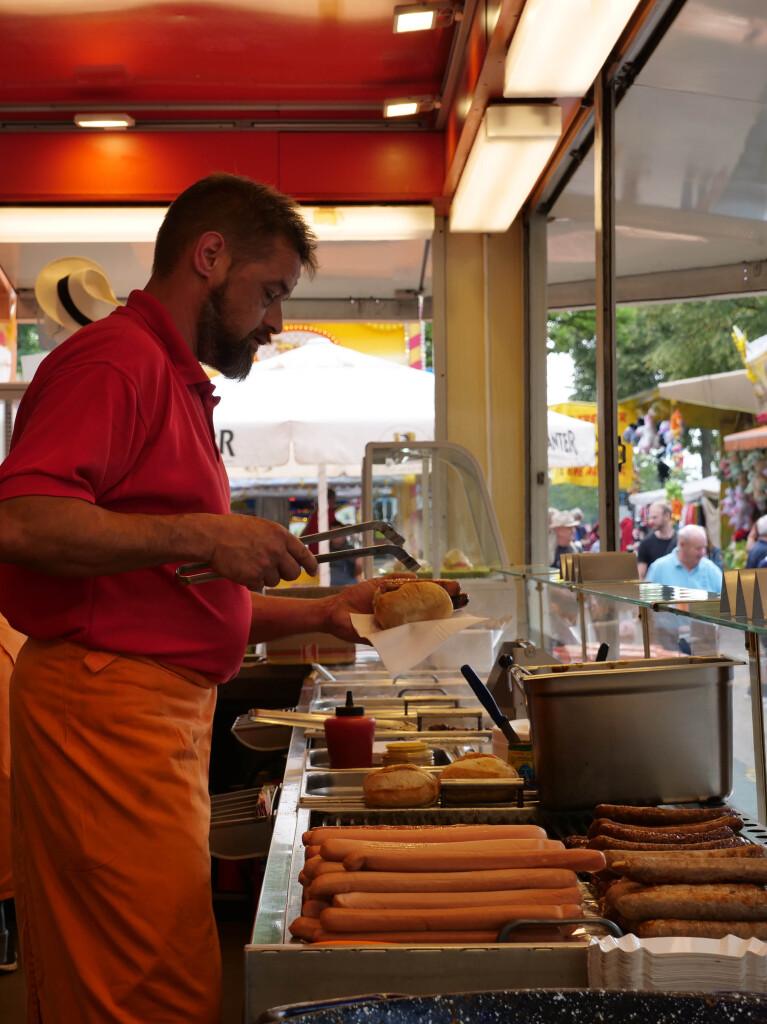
{"x": 76, "y": 437}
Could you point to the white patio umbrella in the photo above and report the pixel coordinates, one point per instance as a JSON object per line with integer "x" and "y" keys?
{"x": 319, "y": 405}
{"x": 324, "y": 400}
{"x": 572, "y": 442}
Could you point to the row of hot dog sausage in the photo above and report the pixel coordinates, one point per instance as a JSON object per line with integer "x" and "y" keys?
{"x": 437, "y": 884}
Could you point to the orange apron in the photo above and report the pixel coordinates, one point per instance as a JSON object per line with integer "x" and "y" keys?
{"x": 10, "y": 645}
{"x": 111, "y": 816}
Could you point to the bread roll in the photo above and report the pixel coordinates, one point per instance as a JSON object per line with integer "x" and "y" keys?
{"x": 412, "y": 602}
{"x": 478, "y": 766}
{"x": 400, "y": 785}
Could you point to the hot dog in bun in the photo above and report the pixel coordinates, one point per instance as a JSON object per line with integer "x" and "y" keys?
{"x": 411, "y": 601}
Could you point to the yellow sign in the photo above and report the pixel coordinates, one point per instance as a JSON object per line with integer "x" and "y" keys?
{"x": 588, "y": 476}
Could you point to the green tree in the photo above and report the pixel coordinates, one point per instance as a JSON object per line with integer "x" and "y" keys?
{"x": 655, "y": 343}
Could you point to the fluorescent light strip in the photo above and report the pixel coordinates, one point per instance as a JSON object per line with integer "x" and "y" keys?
{"x": 560, "y": 46}
{"x": 401, "y": 109}
{"x": 73, "y": 225}
{"x": 104, "y": 120}
{"x": 414, "y": 21}
{"x": 510, "y": 152}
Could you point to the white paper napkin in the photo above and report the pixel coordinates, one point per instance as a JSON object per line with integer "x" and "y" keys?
{"x": 401, "y": 647}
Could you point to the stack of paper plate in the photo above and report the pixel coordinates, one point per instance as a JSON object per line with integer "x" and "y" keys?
{"x": 678, "y": 964}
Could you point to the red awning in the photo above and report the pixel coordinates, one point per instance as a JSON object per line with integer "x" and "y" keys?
{"x": 745, "y": 440}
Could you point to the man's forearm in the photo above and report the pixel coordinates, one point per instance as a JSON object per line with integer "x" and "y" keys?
{"x": 276, "y": 617}
{"x": 71, "y": 537}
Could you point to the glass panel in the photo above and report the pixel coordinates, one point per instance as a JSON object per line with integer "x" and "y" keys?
{"x": 436, "y": 497}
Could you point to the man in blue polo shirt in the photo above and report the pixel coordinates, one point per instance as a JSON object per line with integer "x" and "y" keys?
{"x": 687, "y": 565}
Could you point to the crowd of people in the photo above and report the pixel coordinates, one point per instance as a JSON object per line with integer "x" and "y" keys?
{"x": 666, "y": 555}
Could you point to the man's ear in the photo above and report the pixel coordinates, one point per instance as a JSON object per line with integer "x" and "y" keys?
{"x": 210, "y": 256}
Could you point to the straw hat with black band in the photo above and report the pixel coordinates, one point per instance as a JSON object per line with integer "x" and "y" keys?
{"x": 74, "y": 291}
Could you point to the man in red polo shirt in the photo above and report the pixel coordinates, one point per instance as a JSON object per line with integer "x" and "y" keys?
{"x": 113, "y": 479}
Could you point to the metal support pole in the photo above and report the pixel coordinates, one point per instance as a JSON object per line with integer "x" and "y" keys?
{"x": 753, "y": 646}
{"x": 607, "y": 376}
{"x": 644, "y": 619}
{"x": 582, "y": 614}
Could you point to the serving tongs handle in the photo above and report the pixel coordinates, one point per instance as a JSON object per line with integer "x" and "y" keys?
{"x": 374, "y": 525}
{"x": 201, "y": 572}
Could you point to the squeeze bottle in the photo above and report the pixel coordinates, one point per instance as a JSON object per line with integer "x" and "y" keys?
{"x": 349, "y": 736}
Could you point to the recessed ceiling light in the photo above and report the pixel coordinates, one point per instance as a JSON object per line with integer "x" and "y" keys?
{"x": 104, "y": 120}
{"x": 422, "y": 17}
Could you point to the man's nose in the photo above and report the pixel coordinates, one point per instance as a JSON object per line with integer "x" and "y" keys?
{"x": 273, "y": 317}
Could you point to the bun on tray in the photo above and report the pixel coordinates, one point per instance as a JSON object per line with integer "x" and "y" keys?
{"x": 400, "y": 785}
{"x": 478, "y": 766}
{"x": 411, "y": 602}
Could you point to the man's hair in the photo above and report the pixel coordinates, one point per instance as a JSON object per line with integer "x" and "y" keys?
{"x": 662, "y": 505}
{"x": 761, "y": 526}
{"x": 249, "y": 216}
{"x": 691, "y": 532}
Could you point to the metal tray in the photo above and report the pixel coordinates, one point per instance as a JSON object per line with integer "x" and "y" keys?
{"x": 319, "y": 757}
{"x": 395, "y": 705}
{"x": 477, "y": 792}
{"x": 343, "y": 787}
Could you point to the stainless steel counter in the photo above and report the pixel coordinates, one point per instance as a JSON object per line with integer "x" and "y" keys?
{"x": 279, "y": 970}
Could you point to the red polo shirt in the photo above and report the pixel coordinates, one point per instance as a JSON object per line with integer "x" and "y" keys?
{"x": 121, "y": 415}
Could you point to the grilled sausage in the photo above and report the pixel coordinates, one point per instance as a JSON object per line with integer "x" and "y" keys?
{"x": 606, "y": 843}
{"x": 751, "y": 851}
{"x": 624, "y": 814}
{"x": 605, "y": 827}
{"x": 313, "y": 908}
{"x": 442, "y": 900}
{"x": 317, "y": 866}
{"x": 700, "y": 929}
{"x": 741, "y": 902}
{"x": 327, "y": 886}
{"x": 651, "y": 835}
{"x": 681, "y": 868}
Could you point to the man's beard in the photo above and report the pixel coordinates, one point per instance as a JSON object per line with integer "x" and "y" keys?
{"x": 217, "y": 346}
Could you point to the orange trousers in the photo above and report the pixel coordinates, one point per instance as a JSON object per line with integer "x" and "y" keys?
{"x": 10, "y": 645}
{"x": 110, "y": 838}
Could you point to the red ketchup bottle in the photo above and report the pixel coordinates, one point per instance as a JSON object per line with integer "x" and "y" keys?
{"x": 350, "y": 736}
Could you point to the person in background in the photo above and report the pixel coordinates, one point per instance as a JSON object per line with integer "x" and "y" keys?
{"x": 561, "y": 537}
{"x": 592, "y": 543}
{"x": 112, "y": 481}
{"x": 345, "y": 570}
{"x": 627, "y": 533}
{"x": 10, "y": 644}
{"x": 687, "y": 565}
{"x": 660, "y": 541}
{"x": 756, "y": 544}
{"x": 581, "y": 531}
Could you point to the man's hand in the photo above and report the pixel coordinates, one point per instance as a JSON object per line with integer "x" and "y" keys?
{"x": 354, "y": 600}
{"x": 257, "y": 552}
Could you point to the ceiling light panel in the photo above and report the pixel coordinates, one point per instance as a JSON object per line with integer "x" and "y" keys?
{"x": 560, "y": 46}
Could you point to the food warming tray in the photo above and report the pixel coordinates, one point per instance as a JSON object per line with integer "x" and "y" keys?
{"x": 343, "y": 788}
{"x": 643, "y": 732}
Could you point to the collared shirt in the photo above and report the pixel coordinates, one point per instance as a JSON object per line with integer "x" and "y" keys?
{"x": 671, "y": 573}
{"x": 120, "y": 415}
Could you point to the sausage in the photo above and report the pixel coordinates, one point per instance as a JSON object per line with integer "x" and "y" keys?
{"x": 421, "y": 833}
{"x": 700, "y": 929}
{"x": 313, "y": 908}
{"x": 435, "y": 900}
{"x": 317, "y": 866}
{"x": 340, "y": 849}
{"x": 338, "y": 919}
{"x": 606, "y": 843}
{"x": 327, "y": 886}
{"x": 751, "y": 851}
{"x": 311, "y": 851}
{"x": 738, "y": 901}
{"x": 634, "y": 834}
{"x": 473, "y": 860}
{"x": 484, "y": 938}
{"x": 627, "y": 815}
{"x": 305, "y": 928}
{"x": 680, "y": 867}
{"x": 605, "y": 827}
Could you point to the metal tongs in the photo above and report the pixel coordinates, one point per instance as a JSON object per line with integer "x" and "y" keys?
{"x": 201, "y": 572}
